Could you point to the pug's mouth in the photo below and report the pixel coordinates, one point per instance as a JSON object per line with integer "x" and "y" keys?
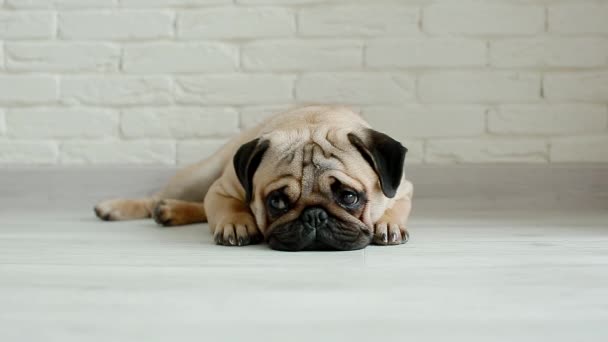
{"x": 315, "y": 229}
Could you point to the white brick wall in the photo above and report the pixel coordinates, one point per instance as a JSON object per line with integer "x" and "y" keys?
{"x": 487, "y": 150}
{"x": 234, "y": 89}
{"x": 547, "y": 119}
{"x": 236, "y": 22}
{"x": 180, "y": 57}
{"x": 50, "y": 4}
{"x": 27, "y": 25}
{"x": 305, "y": 55}
{"x": 356, "y": 88}
{"x": 192, "y": 151}
{"x": 180, "y": 123}
{"x": 480, "y": 87}
{"x": 63, "y": 123}
{"x": 483, "y": 18}
{"x": 359, "y": 20}
{"x": 116, "y": 90}
{"x": 418, "y": 52}
{"x": 579, "y": 17}
{"x": 168, "y": 81}
{"x": 27, "y": 89}
{"x": 549, "y": 52}
{"x": 115, "y": 25}
{"x": 581, "y": 86}
{"x": 62, "y": 57}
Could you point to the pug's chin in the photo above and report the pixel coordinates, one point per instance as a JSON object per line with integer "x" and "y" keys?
{"x": 336, "y": 235}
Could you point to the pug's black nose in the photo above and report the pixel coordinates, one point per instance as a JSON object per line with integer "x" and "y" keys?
{"x": 314, "y": 218}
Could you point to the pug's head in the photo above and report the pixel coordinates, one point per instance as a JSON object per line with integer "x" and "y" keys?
{"x": 321, "y": 188}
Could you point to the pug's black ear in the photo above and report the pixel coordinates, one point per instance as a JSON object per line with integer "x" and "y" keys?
{"x": 246, "y": 162}
{"x": 386, "y": 156}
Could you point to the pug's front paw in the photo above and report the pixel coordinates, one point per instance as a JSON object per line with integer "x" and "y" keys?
{"x": 240, "y": 230}
{"x": 386, "y": 233}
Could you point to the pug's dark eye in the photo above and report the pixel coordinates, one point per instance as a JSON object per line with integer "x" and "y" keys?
{"x": 277, "y": 203}
{"x": 348, "y": 198}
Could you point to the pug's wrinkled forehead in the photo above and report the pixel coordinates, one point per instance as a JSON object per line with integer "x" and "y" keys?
{"x": 306, "y": 154}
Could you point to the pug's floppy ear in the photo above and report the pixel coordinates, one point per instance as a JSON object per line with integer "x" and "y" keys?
{"x": 246, "y": 162}
{"x": 386, "y": 156}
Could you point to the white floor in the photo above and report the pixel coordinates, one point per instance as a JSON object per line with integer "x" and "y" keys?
{"x": 470, "y": 277}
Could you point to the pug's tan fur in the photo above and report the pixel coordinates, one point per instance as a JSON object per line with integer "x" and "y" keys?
{"x": 308, "y": 148}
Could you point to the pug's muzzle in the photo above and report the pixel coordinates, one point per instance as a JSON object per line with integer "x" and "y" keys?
{"x": 316, "y": 229}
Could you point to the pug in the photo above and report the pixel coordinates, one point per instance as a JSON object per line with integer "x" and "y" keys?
{"x": 313, "y": 178}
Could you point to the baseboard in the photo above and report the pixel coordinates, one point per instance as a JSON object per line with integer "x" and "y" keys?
{"x": 512, "y": 186}
{"x": 437, "y": 187}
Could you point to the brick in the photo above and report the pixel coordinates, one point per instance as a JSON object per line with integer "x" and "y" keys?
{"x": 548, "y": 119}
{"x": 62, "y": 123}
{"x": 62, "y": 57}
{"x": 359, "y": 21}
{"x": 479, "y": 87}
{"x": 190, "y": 152}
{"x": 479, "y": 18}
{"x": 355, "y": 88}
{"x": 234, "y": 89}
{"x": 118, "y": 152}
{"x": 416, "y": 121}
{"x": 116, "y": 90}
{"x": 28, "y": 152}
{"x": 580, "y": 149}
{"x": 591, "y": 86}
{"x": 180, "y": 57}
{"x": 303, "y": 55}
{"x": 415, "y": 52}
{"x": 27, "y": 90}
{"x": 26, "y": 25}
{"x": 254, "y": 115}
{"x": 50, "y": 4}
{"x": 483, "y": 150}
{"x": 173, "y": 3}
{"x": 179, "y": 122}
{"x": 120, "y": 25}
{"x": 236, "y": 22}
{"x": 581, "y": 18}
{"x": 550, "y": 52}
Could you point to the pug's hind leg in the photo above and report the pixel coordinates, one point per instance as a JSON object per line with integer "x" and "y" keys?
{"x": 170, "y": 213}
{"x": 125, "y": 209}
{"x": 231, "y": 221}
{"x": 391, "y": 227}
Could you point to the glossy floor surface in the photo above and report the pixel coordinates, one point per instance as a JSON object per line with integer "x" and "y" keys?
{"x": 484, "y": 276}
